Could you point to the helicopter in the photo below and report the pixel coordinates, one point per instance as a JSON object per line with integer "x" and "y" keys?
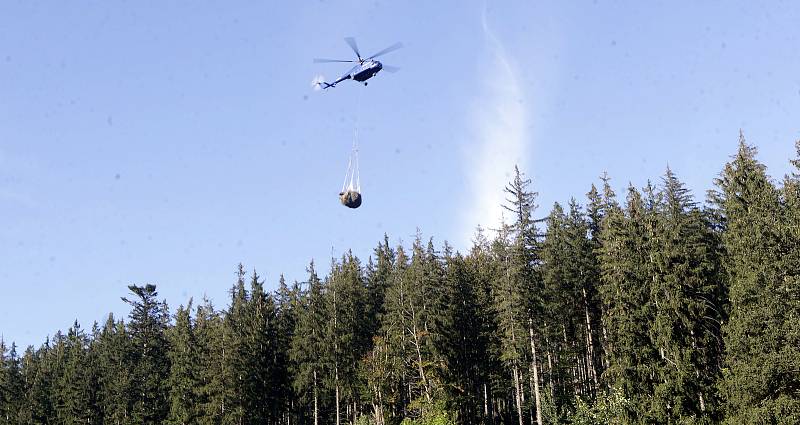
{"x": 366, "y": 68}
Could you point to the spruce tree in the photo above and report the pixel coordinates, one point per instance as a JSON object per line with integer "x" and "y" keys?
{"x": 760, "y": 378}
{"x": 260, "y": 376}
{"x": 75, "y": 392}
{"x": 587, "y": 273}
{"x": 521, "y": 296}
{"x": 113, "y": 351}
{"x": 11, "y": 384}
{"x": 377, "y": 281}
{"x": 288, "y": 305}
{"x": 184, "y": 371}
{"x": 148, "y": 321}
{"x": 307, "y": 345}
{"x": 484, "y": 267}
{"x": 394, "y": 342}
{"x": 464, "y": 344}
{"x": 234, "y": 360}
{"x": 569, "y": 276}
{"x": 38, "y": 373}
{"x": 346, "y": 334}
{"x": 379, "y": 369}
{"x": 210, "y": 335}
{"x": 684, "y": 288}
{"x": 627, "y": 308}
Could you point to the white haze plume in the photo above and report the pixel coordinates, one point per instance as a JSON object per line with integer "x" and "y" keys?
{"x": 500, "y": 126}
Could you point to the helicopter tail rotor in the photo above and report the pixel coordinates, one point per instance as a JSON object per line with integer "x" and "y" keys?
{"x": 318, "y": 83}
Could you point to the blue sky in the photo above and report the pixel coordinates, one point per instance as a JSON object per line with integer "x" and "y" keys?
{"x": 153, "y": 142}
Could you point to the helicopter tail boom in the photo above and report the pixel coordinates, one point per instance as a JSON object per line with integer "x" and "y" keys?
{"x": 319, "y": 83}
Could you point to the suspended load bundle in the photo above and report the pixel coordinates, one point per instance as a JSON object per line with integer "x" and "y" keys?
{"x": 350, "y": 199}
{"x": 350, "y": 196}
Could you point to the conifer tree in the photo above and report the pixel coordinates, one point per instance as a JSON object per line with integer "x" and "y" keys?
{"x": 791, "y": 260}
{"x": 760, "y": 378}
{"x": 346, "y": 333}
{"x": 287, "y": 304}
{"x": 484, "y": 267}
{"x": 411, "y": 331}
{"x": 211, "y": 391}
{"x": 234, "y": 360}
{"x": 394, "y": 343}
{"x": 587, "y": 269}
{"x": 11, "y": 384}
{"x": 508, "y": 305}
{"x": 464, "y": 344}
{"x": 113, "y": 351}
{"x": 687, "y": 313}
{"x": 521, "y": 295}
{"x": 307, "y": 345}
{"x": 377, "y": 281}
{"x": 184, "y": 372}
{"x": 627, "y": 308}
{"x": 379, "y": 369}
{"x": 75, "y": 395}
{"x": 559, "y": 300}
{"x": 260, "y": 375}
{"x": 148, "y": 322}
{"x": 39, "y": 377}
{"x": 569, "y": 276}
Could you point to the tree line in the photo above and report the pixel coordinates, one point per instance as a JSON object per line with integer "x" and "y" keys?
{"x": 638, "y": 308}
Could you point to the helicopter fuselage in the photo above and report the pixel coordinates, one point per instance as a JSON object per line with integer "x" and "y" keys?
{"x": 368, "y": 70}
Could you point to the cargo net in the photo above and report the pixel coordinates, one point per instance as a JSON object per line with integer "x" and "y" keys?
{"x": 352, "y": 179}
{"x": 351, "y": 188}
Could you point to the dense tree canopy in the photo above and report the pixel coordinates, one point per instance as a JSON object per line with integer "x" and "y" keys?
{"x": 650, "y": 308}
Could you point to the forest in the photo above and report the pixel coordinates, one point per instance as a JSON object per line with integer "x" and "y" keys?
{"x": 643, "y": 307}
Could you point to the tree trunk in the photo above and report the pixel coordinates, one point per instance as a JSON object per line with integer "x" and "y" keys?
{"x": 590, "y": 342}
{"x": 485, "y": 401}
{"x": 518, "y": 397}
{"x": 535, "y": 370}
{"x": 336, "y": 377}
{"x": 316, "y": 406}
{"x": 419, "y": 355}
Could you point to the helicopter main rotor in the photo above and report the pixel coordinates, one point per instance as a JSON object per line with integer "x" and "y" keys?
{"x": 353, "y": 45}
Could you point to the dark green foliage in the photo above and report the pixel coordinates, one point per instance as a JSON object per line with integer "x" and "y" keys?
{"x": 287, "y": 300}
{"x": 464, "y": 339}
{"x": 211, "y": 343}
{"x": 685, "y": 290}
{"x": 184, "y": 376}
{"x": 570, "y": 276}
{"x": 655, "y": 311}
{"x": 113, "y": 352}
{"x": 11, "y": 384}
{"x": 149, "y": 360}
{"x": 76, "y": 387}
{"x": 627, "y": 306}
{"x": 307, "y": 345}
{"x": 346, "y": 339}
{"x": 761, "y": 379}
